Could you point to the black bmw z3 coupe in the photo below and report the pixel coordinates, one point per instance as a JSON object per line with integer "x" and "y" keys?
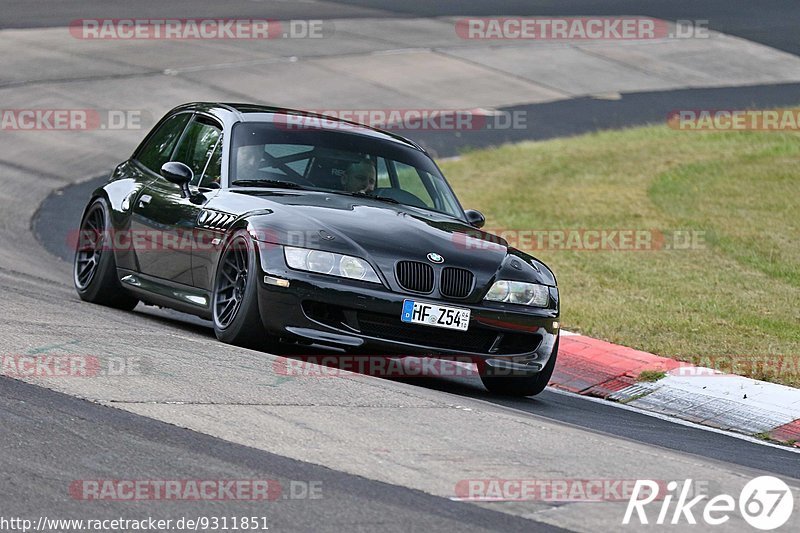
{"x": 284, "y": 226}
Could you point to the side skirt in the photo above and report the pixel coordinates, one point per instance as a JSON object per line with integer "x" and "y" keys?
{"x": 156, "y": 291}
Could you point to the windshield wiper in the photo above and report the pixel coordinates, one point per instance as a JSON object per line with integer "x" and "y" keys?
{"x": 373, "y": 197}
{"x": 268, "y": 183}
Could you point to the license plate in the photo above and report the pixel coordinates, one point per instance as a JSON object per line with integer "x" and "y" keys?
{"x": 439, "y": 316}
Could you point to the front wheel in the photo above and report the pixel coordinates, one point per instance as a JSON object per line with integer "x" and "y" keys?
{"x": 94, "y": 270}
{"x": 522, "y": 385}
{"x": 235, "y": 297}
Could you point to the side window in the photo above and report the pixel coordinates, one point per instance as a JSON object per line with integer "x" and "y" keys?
{"x": 158, "y": 148}
{"x": 383, "y": 180}
{"x": 213, "y": 171}
{"x": 197, "y": 145}
{"x": 410, "y": 181}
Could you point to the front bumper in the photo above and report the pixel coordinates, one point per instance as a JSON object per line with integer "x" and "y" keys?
{"x": 364, "y": 318}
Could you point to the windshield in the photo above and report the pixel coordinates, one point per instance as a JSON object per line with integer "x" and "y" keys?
{"x": 266, "y": 155}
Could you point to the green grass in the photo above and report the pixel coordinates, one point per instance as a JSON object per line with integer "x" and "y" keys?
{"x": 736, "y": 295}
{"x": 651, "y": 375}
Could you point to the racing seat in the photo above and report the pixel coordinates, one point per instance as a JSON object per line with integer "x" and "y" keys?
{"x": 327, "y": 173}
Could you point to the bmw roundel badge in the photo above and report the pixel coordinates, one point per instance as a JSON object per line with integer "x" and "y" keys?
{"x": 433, "y": 257}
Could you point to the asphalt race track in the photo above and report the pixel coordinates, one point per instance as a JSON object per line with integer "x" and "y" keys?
{"x": 387, "y": 454}
{"x": 145, "y": 450}
{"x": 772, "y": 22}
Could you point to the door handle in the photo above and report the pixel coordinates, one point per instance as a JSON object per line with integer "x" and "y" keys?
{"x": 144, "y": 200}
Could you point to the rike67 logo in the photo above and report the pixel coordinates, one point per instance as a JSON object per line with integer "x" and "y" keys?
{"x": 766, "y": 503}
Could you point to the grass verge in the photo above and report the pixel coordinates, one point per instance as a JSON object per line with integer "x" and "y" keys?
{"x": 729, "y": 297}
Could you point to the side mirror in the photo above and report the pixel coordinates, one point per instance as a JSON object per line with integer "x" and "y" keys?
{"x": 179, "y": 174}
{"x": 475, "y": 218}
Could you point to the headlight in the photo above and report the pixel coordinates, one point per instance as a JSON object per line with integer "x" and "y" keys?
{"x": 519, "y": 292}
{"x": 344, "y": 266}
{"x": 322, "y": 262}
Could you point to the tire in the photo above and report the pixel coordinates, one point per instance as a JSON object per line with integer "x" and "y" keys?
{"x": 94, "y": 270}
{"x": 521, "y": 386}
{"x": 234, "y": 303}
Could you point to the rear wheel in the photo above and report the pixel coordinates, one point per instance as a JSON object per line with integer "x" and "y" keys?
{"x": 94, "y": 268}
{"x": 521, "y": 385}
{"x": 235, "y": 298}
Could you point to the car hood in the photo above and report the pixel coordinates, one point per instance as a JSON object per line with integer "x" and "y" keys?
{"x": 385, "y": 233}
